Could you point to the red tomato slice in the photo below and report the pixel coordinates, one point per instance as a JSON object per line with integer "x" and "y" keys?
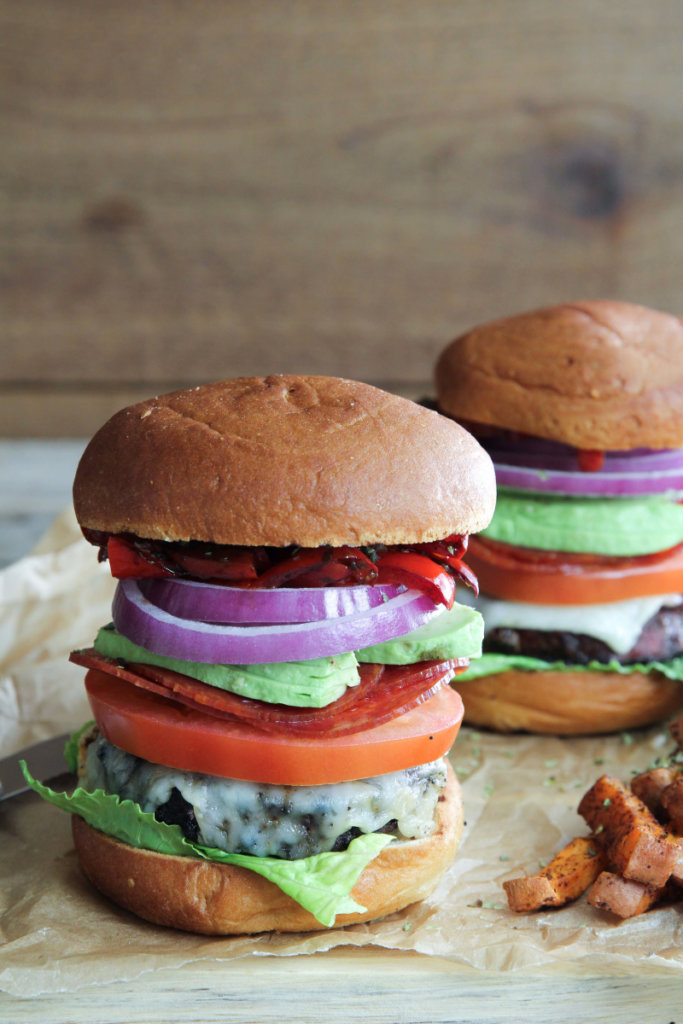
{"x": 551, "y": 577}
{"x": 170, "y": 734}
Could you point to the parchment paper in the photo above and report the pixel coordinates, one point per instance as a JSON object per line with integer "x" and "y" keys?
{"x": 521, "y": 793}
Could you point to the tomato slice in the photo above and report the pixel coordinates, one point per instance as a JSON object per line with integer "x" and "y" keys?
{"x": 552, "y": 577}
{"x": 151, "y": 727}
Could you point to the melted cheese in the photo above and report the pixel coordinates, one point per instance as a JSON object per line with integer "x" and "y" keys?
{"x": 267, "y": 820}
{"x": 618, "y": 623}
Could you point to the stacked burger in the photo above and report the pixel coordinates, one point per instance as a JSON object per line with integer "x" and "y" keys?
{"x": 271, "y": 701}
{"x": 581, "y": 408}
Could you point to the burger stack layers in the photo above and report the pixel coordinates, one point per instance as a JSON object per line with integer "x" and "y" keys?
{"x": 272, "y": 702}
{"x": 580, "y": 406}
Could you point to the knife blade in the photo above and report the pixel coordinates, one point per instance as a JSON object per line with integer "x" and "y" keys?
{"x": 45, "y": 760}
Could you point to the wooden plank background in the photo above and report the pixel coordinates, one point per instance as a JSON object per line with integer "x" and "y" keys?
{"x": 194, "y": 190}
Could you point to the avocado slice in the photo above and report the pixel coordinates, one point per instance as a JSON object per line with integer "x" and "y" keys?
{"x": 455, "y": 633}
{"x": 314, "y": 683}
{"x": 601, "y": 526}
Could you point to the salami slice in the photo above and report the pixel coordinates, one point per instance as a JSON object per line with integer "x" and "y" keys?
{"x": 384, "y": 692}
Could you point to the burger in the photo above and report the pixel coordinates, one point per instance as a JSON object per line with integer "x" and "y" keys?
{"x": 271, "y": 701}
{"x": 580, "y": 406}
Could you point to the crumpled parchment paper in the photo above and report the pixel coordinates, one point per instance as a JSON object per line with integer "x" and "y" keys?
{"x": 521, "y": 793}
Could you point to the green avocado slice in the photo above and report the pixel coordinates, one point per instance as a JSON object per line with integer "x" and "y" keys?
{"x": 601, "y": 526}
{"x": 456, "y": 633}
{"x": 315, "y": 683}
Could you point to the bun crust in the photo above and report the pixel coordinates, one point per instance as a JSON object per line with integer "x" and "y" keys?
{"x": 569, "y": 704}
{"x": 221, "y": 899}
{"x": 603, "y": 375}
{"x": 284, "y": 460}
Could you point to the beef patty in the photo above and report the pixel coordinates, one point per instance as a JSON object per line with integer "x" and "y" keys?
{"x": 660, "y": 640}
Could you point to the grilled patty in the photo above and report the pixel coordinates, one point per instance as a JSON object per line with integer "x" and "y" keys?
{"x": 267, "y": 820}
{"x": 660, "y": 640}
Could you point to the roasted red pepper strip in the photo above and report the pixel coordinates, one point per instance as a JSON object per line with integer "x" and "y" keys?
{"x": 128, "y": 559}
{"x": 320, "y": 567}
{"x": 444, "y": 550}
{"x": 125, "y": 560}
{"x": 420, "y": 566}
{"x": 346, "y": 565}
{"x": 289, "y": 569}
{"x": 237, "y": 567}
{"x": 417, "y": 572}
{"x": 589, "y": 460}
{"x": 449, "y": 552}
{"x": 384, "y": 692}
{"x": 464, "y": 573}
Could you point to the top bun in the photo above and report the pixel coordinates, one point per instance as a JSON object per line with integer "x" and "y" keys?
{"x": 284, "y": 460}
{"x": 598, "y": 375}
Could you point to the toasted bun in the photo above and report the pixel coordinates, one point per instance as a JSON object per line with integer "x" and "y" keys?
{"x": 569, "y": 704}
{"x": 602, "y": 375}
{"x": 284, "y": 460}
{"x": 221, "y": 899}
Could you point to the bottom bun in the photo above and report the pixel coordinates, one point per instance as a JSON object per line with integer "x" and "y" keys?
{"x": 221, "y": 899}
{"x": 569, "y": 703}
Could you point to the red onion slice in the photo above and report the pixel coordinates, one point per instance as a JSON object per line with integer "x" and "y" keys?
{"x": 207, "y": 602}
{"x": 158, "y": 631}
{"x": 537, "y": 453}
{"x": 607, "y": 483}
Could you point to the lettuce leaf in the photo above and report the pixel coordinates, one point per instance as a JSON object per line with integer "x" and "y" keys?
{"x": 491, "y": 664}
{"x": 71, "y": 746}
{"x": 321, "y": 884}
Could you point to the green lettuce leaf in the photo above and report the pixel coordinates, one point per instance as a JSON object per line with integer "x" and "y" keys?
{"x": 321, "y": 884}
{"x": 71, "y": 746}
{"x": 491, "y": 664}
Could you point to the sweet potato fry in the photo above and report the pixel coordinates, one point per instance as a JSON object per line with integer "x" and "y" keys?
{"x": 676, "y": 730}
{"x": 532, "y": 892}
{"x": 623, "y": 896}
{"x": 672, "y": 802}
{"x": 637, "y": 846}
{"x": 677, "y": 873}
{"x": 649, "y": 786}
{"x": 568, "y": 874}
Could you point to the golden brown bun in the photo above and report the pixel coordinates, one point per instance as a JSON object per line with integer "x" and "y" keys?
{"x": 221, "y": 899}
{"x": 602, "y": 375}
{"x": 284, "y": 460}
{"x": 569, "y": 704}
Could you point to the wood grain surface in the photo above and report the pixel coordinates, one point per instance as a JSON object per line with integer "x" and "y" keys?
{"x": 345, "y": 986}
{"x": 199, "y": 190}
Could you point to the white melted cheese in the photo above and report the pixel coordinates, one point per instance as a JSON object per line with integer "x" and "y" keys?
{"x": 268, "y": 820}
{"x": 617, "y": 623}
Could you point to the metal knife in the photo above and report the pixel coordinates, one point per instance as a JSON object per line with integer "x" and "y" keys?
{"x": 45, "y": 760}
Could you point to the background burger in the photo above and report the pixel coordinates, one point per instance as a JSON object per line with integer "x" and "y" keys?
{"x": 271, "y": 702}
{"x": 581, "y": 570}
